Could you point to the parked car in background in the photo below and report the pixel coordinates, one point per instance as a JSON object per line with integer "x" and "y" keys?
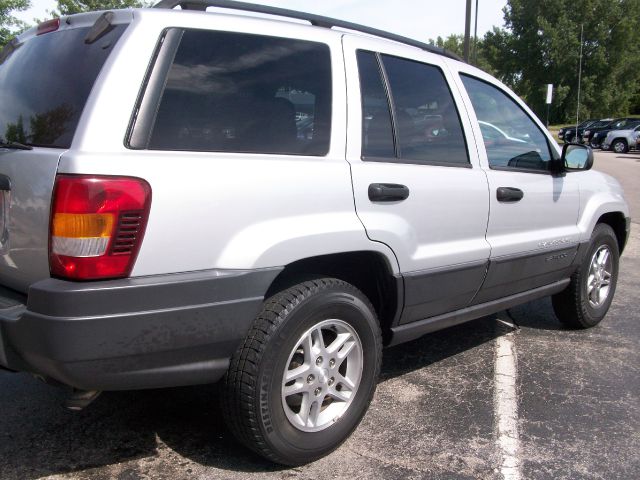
{"x": 562, "y": 134}
{"x": 572, "y": 137}
{"x": 621, "y": 141}
{"x": 591, "y": 131}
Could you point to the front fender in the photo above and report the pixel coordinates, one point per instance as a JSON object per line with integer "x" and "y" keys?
{"x": 599, "y": 194}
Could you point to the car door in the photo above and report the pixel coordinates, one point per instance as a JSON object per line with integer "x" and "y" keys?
{"x": 532, "y": 229}
{"x": 417, "y": 183}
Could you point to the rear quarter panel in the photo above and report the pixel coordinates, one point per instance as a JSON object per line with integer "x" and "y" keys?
{"x": 222, "y": 210}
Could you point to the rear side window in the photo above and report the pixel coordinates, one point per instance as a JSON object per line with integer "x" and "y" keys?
{"x": 237, "y": 92}
{"x": 45, "y": 83}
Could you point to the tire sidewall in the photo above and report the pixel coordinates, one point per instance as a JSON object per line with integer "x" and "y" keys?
{"x": 303, "y": 447}
{"x": 619, "y": 142}
{"x": 603, "y": 235}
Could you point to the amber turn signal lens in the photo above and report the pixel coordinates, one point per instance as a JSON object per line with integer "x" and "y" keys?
{"x": 82, "y": 225}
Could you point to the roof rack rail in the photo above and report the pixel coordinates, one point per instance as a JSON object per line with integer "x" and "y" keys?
{"x": 317, "y": 20}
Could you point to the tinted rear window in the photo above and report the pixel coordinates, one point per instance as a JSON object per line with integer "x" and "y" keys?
{"x": 238, "y": 92}
{"x": 45, "y": 82}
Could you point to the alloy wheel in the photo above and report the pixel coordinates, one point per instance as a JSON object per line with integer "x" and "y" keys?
{"x": 322, "y": 375}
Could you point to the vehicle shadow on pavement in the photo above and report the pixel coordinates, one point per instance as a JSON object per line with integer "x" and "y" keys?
{"x": 38, "y": 437}
{"x": 538, "y": 315}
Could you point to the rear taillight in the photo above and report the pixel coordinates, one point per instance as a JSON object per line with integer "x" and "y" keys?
{"x": 97, "y": 226}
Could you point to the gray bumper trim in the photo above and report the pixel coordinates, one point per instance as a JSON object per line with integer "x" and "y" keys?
{"x": 143, "y": 332}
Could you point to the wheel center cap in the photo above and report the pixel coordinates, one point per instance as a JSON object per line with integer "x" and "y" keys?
{"x": 323, "y": 376}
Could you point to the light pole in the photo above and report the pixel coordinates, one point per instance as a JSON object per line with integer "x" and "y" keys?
{"x": 475, "y": 38}
{"x": 579, "y": 79}
{"x": 467, "y": 31}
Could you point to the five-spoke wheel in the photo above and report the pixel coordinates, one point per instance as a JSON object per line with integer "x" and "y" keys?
{"x": 585, "y": 302}
{"x": 304, "y": 377}
{"x": 599, "y": 278}
{"x": 322, "y": 376}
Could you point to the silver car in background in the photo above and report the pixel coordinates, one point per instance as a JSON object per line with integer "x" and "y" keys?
{"x": 621, "y": 141}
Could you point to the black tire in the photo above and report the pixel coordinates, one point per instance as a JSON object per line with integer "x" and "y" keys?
{"x": 252, "y": 397}
{"x": 619, "y": 145}
{"x": 572, "y": 306}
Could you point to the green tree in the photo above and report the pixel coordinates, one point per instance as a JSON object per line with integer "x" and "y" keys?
{"x": 455, "y": 44}
{"x": 541, "y": 45}
{"x": 15, "y": 132}
{"x": 10, "y": 25}
{"x": 69, "y": 7}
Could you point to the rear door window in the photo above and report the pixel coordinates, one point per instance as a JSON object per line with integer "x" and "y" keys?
{"x": 238, "y": 92}
{"x": 408, "y": 113}
{"x": 45, "y": 83}
{"x": 427, "y": 124}
{"x": 377, "y": 132}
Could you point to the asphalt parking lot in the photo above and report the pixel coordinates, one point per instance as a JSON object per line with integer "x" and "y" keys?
{"x": 514, "y": 395}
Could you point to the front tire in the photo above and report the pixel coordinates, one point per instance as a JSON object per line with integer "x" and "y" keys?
{"x": 306, "y": 373}
{"x": 620, "y": 146}
{"x": 585, "y": 302}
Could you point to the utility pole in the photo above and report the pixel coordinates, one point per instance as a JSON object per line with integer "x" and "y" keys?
{"x": 467, "y": 31}
{"x": 475, "y": 38}
{"x": 579, "y": 80}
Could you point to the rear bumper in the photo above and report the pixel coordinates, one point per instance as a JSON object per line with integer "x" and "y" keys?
{"x": 146, "y": 332}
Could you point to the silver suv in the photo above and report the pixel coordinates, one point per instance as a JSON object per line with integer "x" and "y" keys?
{"x": 621, "y": 141}
{"x": 189, "y": 196}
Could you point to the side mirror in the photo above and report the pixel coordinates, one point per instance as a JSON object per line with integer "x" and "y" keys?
{"x": 576, "y": 157}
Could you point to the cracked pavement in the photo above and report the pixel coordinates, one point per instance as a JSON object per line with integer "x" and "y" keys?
{"x": 433, "y": 415}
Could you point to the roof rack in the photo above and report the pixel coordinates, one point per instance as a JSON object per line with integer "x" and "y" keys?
{"x": 316, "y": 20}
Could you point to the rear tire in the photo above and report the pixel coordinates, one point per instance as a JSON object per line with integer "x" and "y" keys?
{"x": 585, "y": 302}
{"x": 306, "y": 373}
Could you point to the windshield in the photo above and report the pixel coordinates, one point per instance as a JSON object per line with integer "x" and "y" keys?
{"x": 45, "y": 82}
{"x": 619, "y": 123}
{"x": 601, "y": 123}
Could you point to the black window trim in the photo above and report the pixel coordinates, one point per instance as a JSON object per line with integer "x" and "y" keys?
{"x": 552, "y": 152}
{"x": 430, "y": 163}
{"x": 396, "y": 144}
{"x": 143, "y": 117}
{"x": 383, "y": 76}
{"x": 391, "y": 103}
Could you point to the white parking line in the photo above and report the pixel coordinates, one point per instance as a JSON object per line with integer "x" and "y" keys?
{"x": 505, "y": 401}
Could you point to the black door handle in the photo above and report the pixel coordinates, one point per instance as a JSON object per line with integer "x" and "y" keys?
{"x": 387, "y": 192}
{"x": 509, "y": 194}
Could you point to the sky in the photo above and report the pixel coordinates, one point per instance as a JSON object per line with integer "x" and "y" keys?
{"x": 418, "y": 19}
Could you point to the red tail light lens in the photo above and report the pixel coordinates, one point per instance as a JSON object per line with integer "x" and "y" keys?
{"x": 97, "y": 226}
{"x": 48, "y": 26}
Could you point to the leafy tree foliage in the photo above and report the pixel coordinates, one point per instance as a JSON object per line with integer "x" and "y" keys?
{"x": 541, "y": 45}
{"x": 9, "y": 25}
{"x": 455, "y": 44}
{"x": 69, "y": 7}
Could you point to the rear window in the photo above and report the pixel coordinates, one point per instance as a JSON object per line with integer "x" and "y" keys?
{"x": 45, "y": 82}
{"x": 238, "y": 92}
